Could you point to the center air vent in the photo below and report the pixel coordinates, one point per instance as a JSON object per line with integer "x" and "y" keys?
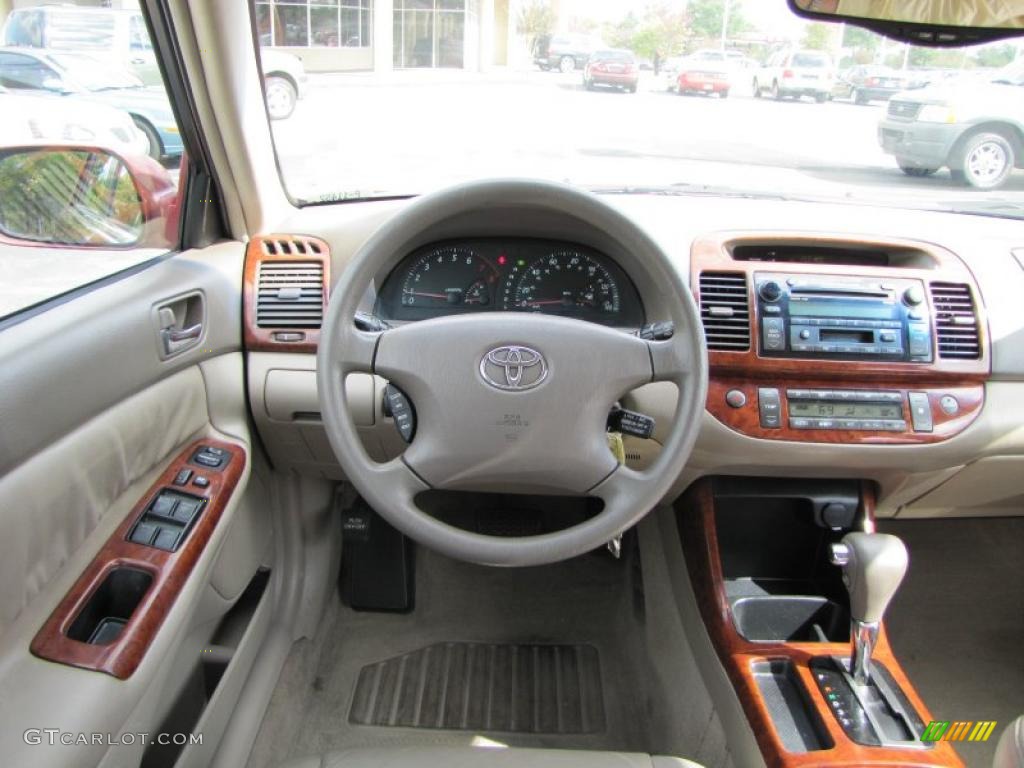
{"x": 290, "y": 294}
{"x": 956, "y": 322}
{"x": 725, "y": 310}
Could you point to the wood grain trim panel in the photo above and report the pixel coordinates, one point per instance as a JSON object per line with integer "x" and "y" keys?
{"x": 170, "y": 570}
{"x": 696, "y": 518}
{"x": 931, "y": 264}
{"x": 299, "y": 248}
{"x": 747, "y": 420}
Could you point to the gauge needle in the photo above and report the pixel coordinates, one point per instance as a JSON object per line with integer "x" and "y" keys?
{"x": 443, "y": 296}
{"x": 541, "y": 302}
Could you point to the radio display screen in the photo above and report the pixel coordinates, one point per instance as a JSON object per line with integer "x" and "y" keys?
{"x": 856, "y": 308}
{"x": 798, "y": 409}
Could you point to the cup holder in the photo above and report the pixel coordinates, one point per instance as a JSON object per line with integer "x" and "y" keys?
{"x": 790, "y": 618}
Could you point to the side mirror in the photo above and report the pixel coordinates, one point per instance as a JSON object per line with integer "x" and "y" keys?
{"x": 85, "y": 197}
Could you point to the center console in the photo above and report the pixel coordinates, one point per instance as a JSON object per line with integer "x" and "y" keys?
{"x": 828, "y": 339}
{"x": 791, "y": 583}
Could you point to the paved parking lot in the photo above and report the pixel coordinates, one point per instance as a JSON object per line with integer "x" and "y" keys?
{"x": 412, "y": 131}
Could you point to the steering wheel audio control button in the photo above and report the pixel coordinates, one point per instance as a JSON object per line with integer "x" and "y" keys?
{"x": 398, "y": 407}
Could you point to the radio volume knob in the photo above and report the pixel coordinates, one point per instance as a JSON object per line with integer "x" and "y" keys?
{"x": 770, "y": 291}
{"x": 913, "y": 296}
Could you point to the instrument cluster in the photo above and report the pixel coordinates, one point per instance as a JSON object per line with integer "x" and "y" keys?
{"x": 510, "y": 275}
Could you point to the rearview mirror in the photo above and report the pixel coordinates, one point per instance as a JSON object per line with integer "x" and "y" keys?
{"x": 81, "y": 196}
{"x": 923, "y": 22}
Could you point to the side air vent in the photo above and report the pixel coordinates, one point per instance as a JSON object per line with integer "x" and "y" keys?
{"x": 725, "y": 310}
{"x": 956, "y": 321}
{"x": 290, "y": 294}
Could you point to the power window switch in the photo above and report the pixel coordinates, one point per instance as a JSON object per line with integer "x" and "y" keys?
{"x": 186, "y": 510}
{"x": 166, "y": 539}
{"x": 183, "y": 477}
{"x": 164, "y": 506}
{"x": 143, "y": 533}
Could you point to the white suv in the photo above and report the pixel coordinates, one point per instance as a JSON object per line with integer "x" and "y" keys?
{"x": 792, "y": 74}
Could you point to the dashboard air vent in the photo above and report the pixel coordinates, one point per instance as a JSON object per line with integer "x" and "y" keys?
{"x": 956, "y": 321}
{"x": 290, "y": 294}
{"x": 725, "y": 310}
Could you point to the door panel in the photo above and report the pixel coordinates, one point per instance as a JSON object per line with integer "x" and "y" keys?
{"x": 92, "y": 414}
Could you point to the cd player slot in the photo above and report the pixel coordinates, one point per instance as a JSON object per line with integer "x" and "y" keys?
{"x": 822, "y": 291}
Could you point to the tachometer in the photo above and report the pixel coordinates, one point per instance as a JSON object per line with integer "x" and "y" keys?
{"x": 564, "y": 282}
{"x": 450, "y": 276}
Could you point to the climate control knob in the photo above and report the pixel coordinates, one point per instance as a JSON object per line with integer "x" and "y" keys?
{"x": 770, "y": 291}
{"x": 913, "y": 296}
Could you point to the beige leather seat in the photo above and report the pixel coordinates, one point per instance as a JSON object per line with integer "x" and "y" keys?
{"x": 474, "y": 757}
{"x": 1010, "y": 749}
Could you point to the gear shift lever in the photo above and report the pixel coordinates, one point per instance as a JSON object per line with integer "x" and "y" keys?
{"x": 873, "y": 566}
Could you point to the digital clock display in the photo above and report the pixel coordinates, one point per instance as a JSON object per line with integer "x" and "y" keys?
{"x": 814, "y": 410}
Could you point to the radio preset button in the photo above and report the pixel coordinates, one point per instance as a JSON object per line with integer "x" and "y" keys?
{"x": 887, "y": 336}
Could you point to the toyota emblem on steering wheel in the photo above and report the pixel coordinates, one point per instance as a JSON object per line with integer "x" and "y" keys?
{"x": 514, "y": 368}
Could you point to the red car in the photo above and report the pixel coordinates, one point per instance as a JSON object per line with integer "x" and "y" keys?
{"x": 697, "y": 79}
{"x": 615, "y": 68}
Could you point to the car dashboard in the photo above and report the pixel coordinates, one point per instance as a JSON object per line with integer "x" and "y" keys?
{"x": 465, "y": 276}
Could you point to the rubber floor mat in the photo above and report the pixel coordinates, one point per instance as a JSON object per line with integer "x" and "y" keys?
{"x": 553, "y": 689}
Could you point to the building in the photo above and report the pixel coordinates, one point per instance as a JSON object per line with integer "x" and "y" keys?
{"x": 354, "y": 35}
{"x": 340, "y": 35}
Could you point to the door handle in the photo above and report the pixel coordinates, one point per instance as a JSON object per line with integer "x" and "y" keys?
{"x": 181, "y": 324}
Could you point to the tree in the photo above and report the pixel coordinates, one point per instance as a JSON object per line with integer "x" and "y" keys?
{"x": 536, "y": 19}
{"x": 817, "y": 37}
{"x": 995, "y": 56}
{"x": 705, "y": 18}
{"x": 662, "y": 30}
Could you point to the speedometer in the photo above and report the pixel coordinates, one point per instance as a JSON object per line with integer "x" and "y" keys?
{"x": 563, "y": 282}
{"x": 451, "y": 276}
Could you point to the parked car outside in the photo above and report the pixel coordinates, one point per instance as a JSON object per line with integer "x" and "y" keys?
{"x": 614, "y": 67}
{"x": 670, "y": 72}
{"x": 976, "y": 129}
{"x": 866, "y": 83}
{"x": 118, "y": 37}
{"x": 81, "y": 75}
{"x": 30, "y": 117}
{"x": 285, "y": 82}
{"x": 565, "y": 53}
{"x": 703, "y": 77}
{"x": 794, "y": 74}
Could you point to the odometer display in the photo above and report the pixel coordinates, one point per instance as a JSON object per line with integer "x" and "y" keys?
{"x": 564, "y": 282}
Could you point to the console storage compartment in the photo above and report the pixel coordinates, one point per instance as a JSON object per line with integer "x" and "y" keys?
{"x": 110, "y": 606}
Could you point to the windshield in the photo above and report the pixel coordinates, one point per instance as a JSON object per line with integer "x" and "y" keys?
{"x": 94, "y": 75}
{"x": 444, "y": 91}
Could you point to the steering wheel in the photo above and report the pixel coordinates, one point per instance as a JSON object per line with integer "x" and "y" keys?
{"x": 510, "y": 401}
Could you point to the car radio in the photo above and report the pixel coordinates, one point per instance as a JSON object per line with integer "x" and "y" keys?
{"x": 835, "y": 316}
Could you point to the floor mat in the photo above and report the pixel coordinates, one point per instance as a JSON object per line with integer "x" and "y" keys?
{"x": 542, "y": 689}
